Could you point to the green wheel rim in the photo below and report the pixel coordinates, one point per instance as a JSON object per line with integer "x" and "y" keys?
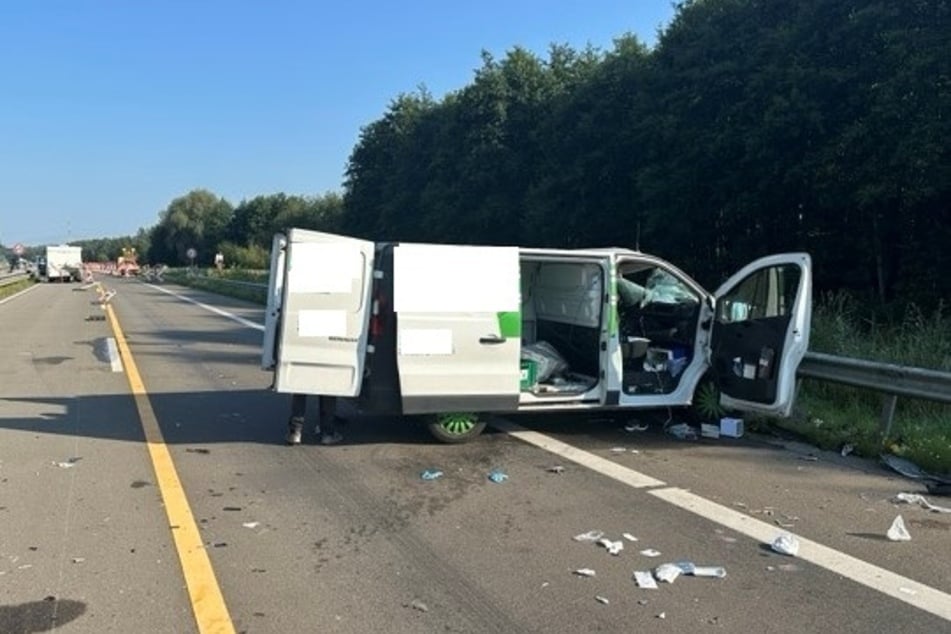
{"x": 457, "y": 423}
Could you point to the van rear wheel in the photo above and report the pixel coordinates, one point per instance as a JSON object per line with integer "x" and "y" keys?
{"x": 455, "y": 427}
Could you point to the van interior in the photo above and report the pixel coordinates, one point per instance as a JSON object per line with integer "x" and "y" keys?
{"x": 563, "y": 312}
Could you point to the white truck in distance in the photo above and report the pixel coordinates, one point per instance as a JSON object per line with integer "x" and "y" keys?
{"x": 62, "y": 263}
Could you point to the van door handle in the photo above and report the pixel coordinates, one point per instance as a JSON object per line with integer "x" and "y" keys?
{"x": 492, "y": 339}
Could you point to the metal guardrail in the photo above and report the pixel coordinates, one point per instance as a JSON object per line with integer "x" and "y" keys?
{"x": 887, "y": 378}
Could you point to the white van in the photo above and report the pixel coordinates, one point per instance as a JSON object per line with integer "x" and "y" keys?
{"x": 454, "y": 332}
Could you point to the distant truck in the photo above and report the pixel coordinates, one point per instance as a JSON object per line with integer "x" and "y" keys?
{"x": 61, "y": 263}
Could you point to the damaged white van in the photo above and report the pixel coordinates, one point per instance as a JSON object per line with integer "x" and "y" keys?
{"x": 456, "y": 332}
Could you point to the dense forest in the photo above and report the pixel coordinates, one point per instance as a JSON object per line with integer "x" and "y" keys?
{"x": 752, "y": 127}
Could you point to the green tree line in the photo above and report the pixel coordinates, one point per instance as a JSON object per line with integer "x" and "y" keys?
{"x": 752, "y": 127}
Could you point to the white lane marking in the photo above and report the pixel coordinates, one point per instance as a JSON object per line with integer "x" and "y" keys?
{"x": 15, "y": 295}
{"x": 595, "y": 463}
{"x": 113, "y": 351}
{"x": 907, "y": 590}
{"x": 217, "y": 311}
{"x": 894, "y": 585}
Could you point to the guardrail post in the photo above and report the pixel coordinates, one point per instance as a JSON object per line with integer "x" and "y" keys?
{"x": 888, "y": 414}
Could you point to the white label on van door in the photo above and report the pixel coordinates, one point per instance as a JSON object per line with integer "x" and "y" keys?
{"x": 322, "y": 323}
{"x": 324, "y": 268}
{"x": 437, "y": 278}
{"x": 425, "y": 341}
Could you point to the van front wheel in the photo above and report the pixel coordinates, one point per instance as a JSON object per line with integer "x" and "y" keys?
{"x": 455, "y": 427}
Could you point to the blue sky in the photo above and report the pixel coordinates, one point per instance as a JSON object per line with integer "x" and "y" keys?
{"x": 109, "y": 109}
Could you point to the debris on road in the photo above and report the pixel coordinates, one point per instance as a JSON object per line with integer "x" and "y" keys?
{"x": 689, "y": 568}
{"x": 200, "y": 450}
{"x": 602, "y": 600}
{"x": 556, "y": 469}
{"x": 614, "y": 548}
{"x": 682, "y": 431}
{"x": 667, "y": 572}
{"x": 650, "y": 552}
{"x": 897, "y": 531}
{"x": 938, "y": 485}
{"x": 629, "y": 537}
{"x": 416, "y": 604}
{"x": 251, "y": 524}
{"x": 785, "y": 544}
{"x": 584, "y": 572}
{"x": 645, "y": 580}
{"x": 431, "y": 474}
{"x": 915, "y": 498}
{"x": 68, "y": 464}
{"x": 498, "y": 476}
{"x": 590, "y": 536}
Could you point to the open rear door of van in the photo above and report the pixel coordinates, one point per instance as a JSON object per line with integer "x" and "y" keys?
{"x": 322, "y": 339}
{"x": 761, "y": 333}
{"x": 458, "y": 327}
{"x": 275, "y": 292}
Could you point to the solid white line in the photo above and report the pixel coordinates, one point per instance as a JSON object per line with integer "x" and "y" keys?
{"x": 595, "y": 463}
{"x": 894, "y": 585}
{"x": 217, "y": 311}
{"x": 114, "y": 359}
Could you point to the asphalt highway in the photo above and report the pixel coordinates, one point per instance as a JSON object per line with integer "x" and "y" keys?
{"x": 145, "y": 487}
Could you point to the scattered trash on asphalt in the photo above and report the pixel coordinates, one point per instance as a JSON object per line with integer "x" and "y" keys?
{"x": 847, "y": 448}
{"x": 416, "y": 604}
{"x": 200, "y": 450}
{"x": 786, "y": 544}
{"x": 650, "y": 552}
{"x": 689, "y": 568}
{"x": 629, "y": 537}
{"x": 78, "y": 560}
{"x": 683, "y": 431}
{"x": 914, "y": 498}
{"x": 545, "y": 584}
{"x": 645, "y": 580}
{"x": 231, "y": 508}
{"x": 662, "y": 615}
{"x": 667, "y": 572}
{"x": 618, "y": 449}
{"x": 601, "y": 599}
{"x": 897, "y": 531}
{"x": 634, "y": 426}
{"x": 584, "y": 572}
{"x": 809, "y": 458}
{"x": 251, "y": 524}
{"x": 937, "y": 485}
{"x": 783, "y": 524}
{"x": 556, "y": 469}
{"x": 68, "y": 464}
{"x": 590, "y": 536}
{"x": 498, "y": 476}
{"x": 431, "y": 474}
{"x": 614, "y": 548}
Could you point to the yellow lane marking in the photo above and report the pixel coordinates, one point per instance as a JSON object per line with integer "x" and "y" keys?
{"x": 208, "y": 604}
